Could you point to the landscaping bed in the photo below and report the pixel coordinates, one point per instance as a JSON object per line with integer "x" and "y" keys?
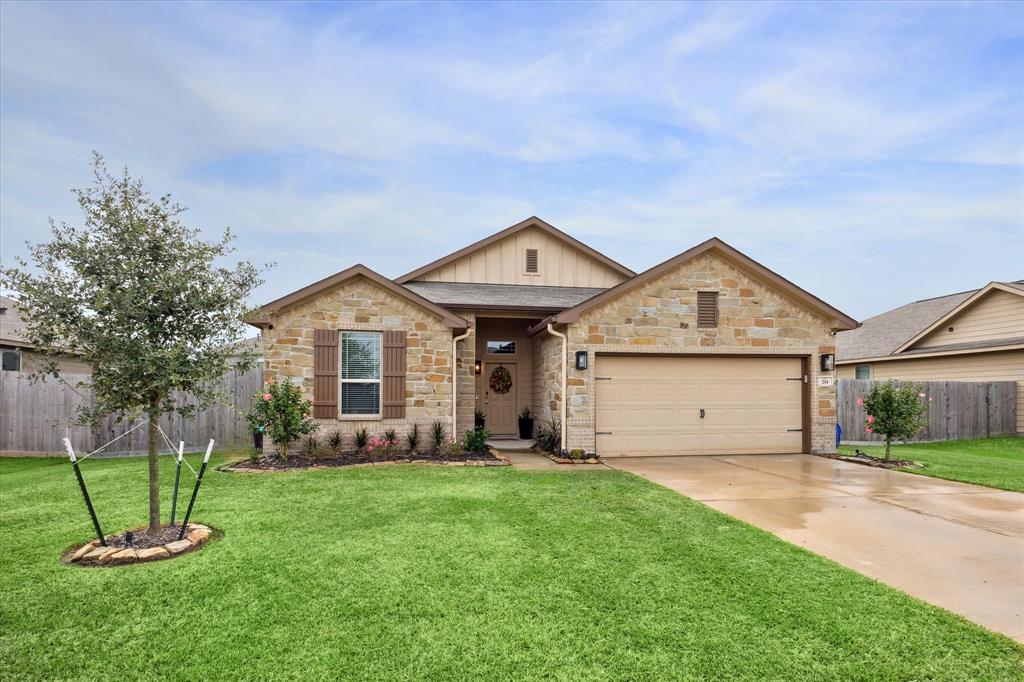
{"x": 860, "y": 457}
{"x": 138, "y": 545}
{"x": 274, "y": 463}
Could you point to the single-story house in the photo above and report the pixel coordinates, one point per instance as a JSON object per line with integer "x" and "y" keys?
{"x": 975, "y": 335}
{"x": 708, "y": 352}
{"x": 18, "y": 354}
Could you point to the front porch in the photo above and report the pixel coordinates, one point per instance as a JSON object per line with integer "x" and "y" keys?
{"x": 506, "y": 380}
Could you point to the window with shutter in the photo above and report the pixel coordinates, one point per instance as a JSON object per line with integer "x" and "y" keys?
{"x": 532, "y": 261}
{"x": 325, "y": 374}
{"x": 707, "y": 309}
{"x": 361, "y": 374}
{"x": 394, "y": 375}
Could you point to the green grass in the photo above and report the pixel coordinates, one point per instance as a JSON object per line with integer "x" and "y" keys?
{"x": 411, "y": 572}
{"x": 995, "y": 462}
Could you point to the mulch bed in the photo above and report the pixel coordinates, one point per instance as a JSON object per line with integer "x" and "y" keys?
{"x": 568, "y": 460}
{"x": 145, "y": 538}
{"x": 300, "y": 461}
{"x": 878, "y": 462}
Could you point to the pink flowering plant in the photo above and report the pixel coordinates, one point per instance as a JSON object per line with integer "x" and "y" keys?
{"x": 895, "y": 411}
{"x": 281, "y": 412}
{"x": 382, "y": 447}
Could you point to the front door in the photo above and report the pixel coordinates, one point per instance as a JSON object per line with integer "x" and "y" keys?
{"x": 500, "y": 389}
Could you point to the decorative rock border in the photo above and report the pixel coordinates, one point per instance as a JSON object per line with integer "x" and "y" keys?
{"x": 239, "y": 466}
{"x": 569, "y": 460}
{"x": 95, "y": 554}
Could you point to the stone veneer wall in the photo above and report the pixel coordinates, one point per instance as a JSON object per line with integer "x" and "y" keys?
{"x": 661, "y": 317}
{"x": 465, "y": 368}
{"x": 360, "y": 305}
{"x": 548, "y": 376}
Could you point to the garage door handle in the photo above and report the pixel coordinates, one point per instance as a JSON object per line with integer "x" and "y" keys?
{"x": 602, "y": 433}
{"x": 702, "y": 413}
{"x": 794, "y": 429}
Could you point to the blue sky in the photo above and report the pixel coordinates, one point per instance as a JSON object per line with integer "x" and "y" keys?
{"x": 872, "y": 153}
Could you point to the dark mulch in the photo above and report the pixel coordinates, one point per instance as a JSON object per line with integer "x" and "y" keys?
{"x": 872, "y": 461}
{"x": 272, "y": 463}
{"x": 145, "y": 538}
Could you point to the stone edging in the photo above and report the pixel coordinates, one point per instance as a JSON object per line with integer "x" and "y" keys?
{"x": 500, "y": 462}
{"x": 94, "y": 554}
{"x": 568, "y": 460}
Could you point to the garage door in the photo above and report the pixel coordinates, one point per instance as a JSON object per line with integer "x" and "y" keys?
{"x": 651, "y": 405}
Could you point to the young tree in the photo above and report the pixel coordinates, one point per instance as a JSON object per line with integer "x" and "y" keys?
{"x": 140, "y": 297}
{"x": 895, "y": 411}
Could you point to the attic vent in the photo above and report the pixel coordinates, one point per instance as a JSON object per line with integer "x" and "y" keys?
{"x": 707, "y": 308}
{"x": 531, "y": 261}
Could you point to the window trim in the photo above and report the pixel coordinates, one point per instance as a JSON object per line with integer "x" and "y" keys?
{"x": 488, "y": 342}
{"x": 17, "y": 352}
{"x": 379, "y": 380}
{"x": 858, "y": 366}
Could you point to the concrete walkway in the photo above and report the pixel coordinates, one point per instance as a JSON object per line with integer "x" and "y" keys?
{"x": 528, "y": 460}
{"x": 955, "y": 545}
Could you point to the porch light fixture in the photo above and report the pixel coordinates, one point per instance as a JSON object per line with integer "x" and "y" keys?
{"x": 828, "y": 362}
{"x": 581, "y": 359}
{"x": 476, "y": 367}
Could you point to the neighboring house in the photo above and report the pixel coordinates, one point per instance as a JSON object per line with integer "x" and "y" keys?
{"x": 970, "y": 336}
{"x": 17, "y": 353}
{"x": 708, "y": 352}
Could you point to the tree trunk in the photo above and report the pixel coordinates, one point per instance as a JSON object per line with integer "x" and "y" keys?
{"x": 888, "y": 444}
{"x": 154, "y": 471}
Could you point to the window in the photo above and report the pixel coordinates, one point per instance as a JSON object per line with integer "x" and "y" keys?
{"x": 12, "y": 361}
{"x": 360, "y": 373}
{"x": 707, "y": 309}
{"x": 501, "y": 347}
{"x": 862, "y": 371}
{"x": 532, "y": 261}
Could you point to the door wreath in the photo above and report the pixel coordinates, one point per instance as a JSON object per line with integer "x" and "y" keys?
{"x": 501, "y": 380}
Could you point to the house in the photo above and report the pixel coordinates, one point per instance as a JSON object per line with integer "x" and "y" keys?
{"x": 18, "y": 354}
{"x": 708, "y": 352}
{"x": 973, "y": 335}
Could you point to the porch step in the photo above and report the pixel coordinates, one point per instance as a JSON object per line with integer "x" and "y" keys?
{"x": 510, "y": 444}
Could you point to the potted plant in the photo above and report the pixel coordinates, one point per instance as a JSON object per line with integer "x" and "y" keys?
{"x": 525, "y": 424}
{"x": 478, "y": 419}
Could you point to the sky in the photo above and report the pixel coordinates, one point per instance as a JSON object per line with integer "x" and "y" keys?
{"x": 872, "y": 153}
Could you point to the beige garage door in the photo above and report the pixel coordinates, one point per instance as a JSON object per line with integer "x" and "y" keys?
{"x": 651, "y": 405}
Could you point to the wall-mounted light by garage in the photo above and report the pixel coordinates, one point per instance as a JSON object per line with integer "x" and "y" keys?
{"x": 477, "y": 367}
{"x": 828, "y": 362}
{"x": 581, "y": 359}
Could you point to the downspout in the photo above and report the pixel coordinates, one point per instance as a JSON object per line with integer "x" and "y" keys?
{"x": 455, "y": 380}
{"x": 565, "y": 372}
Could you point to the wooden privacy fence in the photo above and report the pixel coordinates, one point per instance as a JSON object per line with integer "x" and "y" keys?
{"x": 956, "y": 409}
{"x": 35, "y": 418}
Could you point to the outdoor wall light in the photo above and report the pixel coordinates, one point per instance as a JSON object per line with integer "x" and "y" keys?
{"x": 476, "y": 367}
{"x": 581, "y": 359}
{"x": 828, "y": 362}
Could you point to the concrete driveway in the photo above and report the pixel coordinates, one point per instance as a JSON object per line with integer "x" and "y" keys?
{"x": 955, "y": 545}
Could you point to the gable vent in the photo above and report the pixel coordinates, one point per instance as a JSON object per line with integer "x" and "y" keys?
{"x": 707, "y": 308}
{"x": 531, "y": 261}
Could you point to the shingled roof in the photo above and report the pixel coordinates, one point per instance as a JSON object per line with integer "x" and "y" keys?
{"x": 518, "y": 296}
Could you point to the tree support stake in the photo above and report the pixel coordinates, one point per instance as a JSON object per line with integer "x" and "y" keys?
{"x": 177, "y": 477}
{"x": 85, "y": 491}
{"x": 195, "y": 491}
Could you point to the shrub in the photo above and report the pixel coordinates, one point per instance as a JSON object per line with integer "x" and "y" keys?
{"x": 479, "y": 419}
{"x": 282, "y": 412}
{"x": 895, "y": 411}
{"x": 452, "y": 448}
{"x": 362, "y": 439}
{"x": 577, "y": 453}
{"x": 253, "y": 454}
{"x": 437, "y": 431}
{"x": 311, "y": 445}
{"x": 335, "y": 442}
{"x": 390, "y": 435}
{"x": 412, "y": 438}
{"x": 476, "y": 440}
{"x": 382, "y": 447}
{"x": 549, "y": 436}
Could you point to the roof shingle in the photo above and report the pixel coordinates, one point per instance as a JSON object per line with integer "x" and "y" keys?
{"x": 517, "y": 295}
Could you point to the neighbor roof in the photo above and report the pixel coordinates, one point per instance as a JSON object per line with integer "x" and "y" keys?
{"x": 260, "y": 318}
{"x": 545, "y": 299}
{"x": 12, "y": 326}
{"x": 885, "y": 334}
{"x": 778, "y": 282}
{"x": 532, "y": 221}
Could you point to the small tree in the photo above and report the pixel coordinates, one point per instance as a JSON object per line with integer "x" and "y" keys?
{"x": 282, "y": 412}
{"x": 895, "y": 411}
{"x": 142, "y": 299}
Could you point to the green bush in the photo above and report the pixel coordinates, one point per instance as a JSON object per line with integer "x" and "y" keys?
{"x": 577, "y": 453}
{"x": 476, "y": 440}
{"x": 282, "y": 412}
{"x": 895, "y": 411}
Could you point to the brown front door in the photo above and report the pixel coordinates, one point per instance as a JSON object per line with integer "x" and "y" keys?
{"x": 500, "y": 408}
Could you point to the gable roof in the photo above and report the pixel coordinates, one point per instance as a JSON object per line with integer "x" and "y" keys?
{"x": 838, "y": 318}
{"x": 532, "y": 221}
{"x": 12, "y": 326}
{"x": 260, "y": 318}
{"x": 896, "y": 329}
{"x": 963, "y": 305}
{"x": 542, "y": 299}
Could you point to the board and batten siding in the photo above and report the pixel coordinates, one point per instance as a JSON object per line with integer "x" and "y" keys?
{"x": 999, "y": 315}
{"x": 504, "y": 262}
{"x": 989, "y": 366}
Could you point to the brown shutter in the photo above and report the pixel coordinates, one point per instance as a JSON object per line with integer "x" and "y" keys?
{"x": 393, "y": 375}
{"x": 325, "y": 374}
{"x": 707, "y": 308}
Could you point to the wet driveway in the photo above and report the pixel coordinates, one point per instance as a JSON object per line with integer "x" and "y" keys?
{"x": 955, "y": 545}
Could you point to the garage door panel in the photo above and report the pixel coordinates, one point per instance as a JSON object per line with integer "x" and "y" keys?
{"x": 650, "y": 405}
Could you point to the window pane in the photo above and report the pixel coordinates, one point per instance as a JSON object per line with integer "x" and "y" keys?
{"x": 360, "y": 398}
{"x": 862, "y": 371}
{"x": 360, "y": 355}
{"x": 12, "y": 361}
{"x": 501, "y": 347}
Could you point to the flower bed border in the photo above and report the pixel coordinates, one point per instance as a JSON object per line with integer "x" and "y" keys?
{"x": 569, "y": 460}
{"x": 240, "y": 466}
{"x": 94, "y": 555}
{"x": 876, "y": 462}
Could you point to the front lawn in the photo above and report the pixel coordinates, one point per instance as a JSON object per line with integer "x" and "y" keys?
{"x": 407, "y": 572}
{"x": 995, "y": 462}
